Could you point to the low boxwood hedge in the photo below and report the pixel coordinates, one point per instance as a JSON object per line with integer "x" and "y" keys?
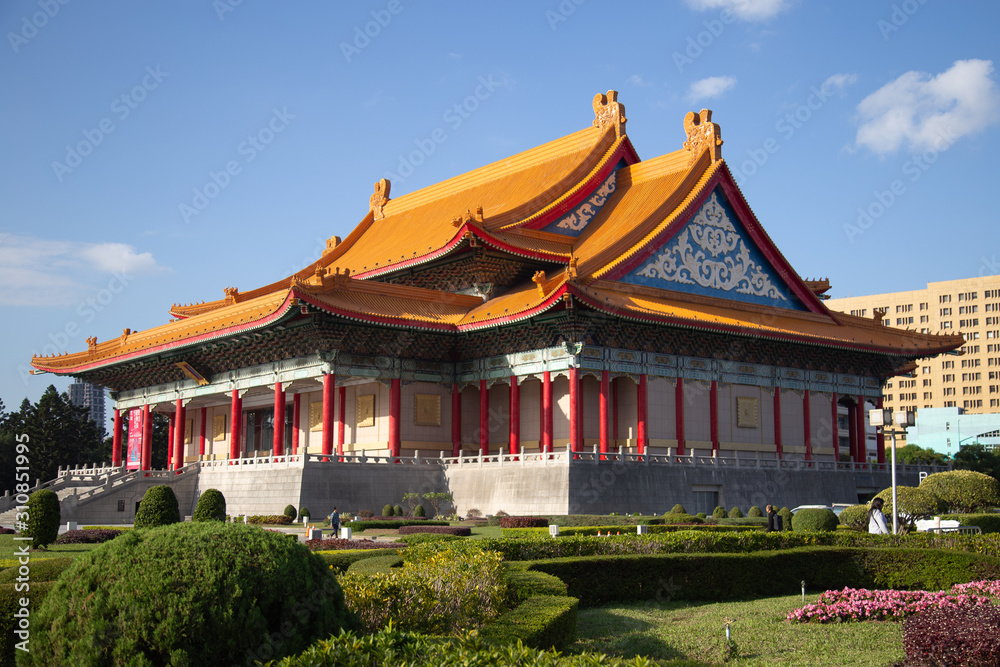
{"x": 989, "y": 523}
{"x": 365, "y": 524}
{"x": 542, "y": 622}
{"x": 339, "y": 561}
{"x": 599, "y": 580}
{"x": 525, "y": 584}
{"x": 460, "y": 531}
{"x": 522, "y": 522}
{"x": 376, "y": 564}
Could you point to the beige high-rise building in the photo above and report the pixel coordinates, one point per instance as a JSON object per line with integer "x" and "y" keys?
{"x": 971, "y": 307}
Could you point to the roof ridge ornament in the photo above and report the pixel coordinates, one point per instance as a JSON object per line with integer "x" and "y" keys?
{"x": 381, "y": 197}
{"x": 331, "y": 244}
{"x": 702, "y": 134}
{"x": 232, "y": 295}
{"x": 609, "y": 111}
{"x": 471, "y": 217}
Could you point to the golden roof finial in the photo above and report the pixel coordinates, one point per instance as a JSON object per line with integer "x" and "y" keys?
{"x": 702, "y": 134}
{"x": 92, "y": 343}
{"x": 378, "y": 200}
{"x": 331, "y": 244}
{"x": 608, "y": 111}
{"x": 232, "y": 295}
{"x": 539, "y": 279}
{"x": 124, "y": 337}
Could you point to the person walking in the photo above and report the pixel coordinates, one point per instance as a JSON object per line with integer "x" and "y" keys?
{"x": 876, "y": 520}
{"x": 773, "y": 519}
{"x": 335, "y": 522}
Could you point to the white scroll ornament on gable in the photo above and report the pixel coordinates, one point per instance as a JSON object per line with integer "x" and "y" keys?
{"x": 583, "y": 213}
{"x": 710, "y": 252}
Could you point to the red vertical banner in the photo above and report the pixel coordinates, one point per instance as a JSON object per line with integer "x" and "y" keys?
{"x": 133, "y": 457}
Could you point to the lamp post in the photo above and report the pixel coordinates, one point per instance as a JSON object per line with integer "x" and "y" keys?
{"x": 883, "y": 418}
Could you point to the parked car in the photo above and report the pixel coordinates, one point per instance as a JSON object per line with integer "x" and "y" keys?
{"x": 817, "y": 507}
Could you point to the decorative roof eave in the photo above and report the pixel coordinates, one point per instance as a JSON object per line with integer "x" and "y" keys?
{"x": 370, "y": 318}
{"x": 622, "y": 149}
{"x": 723, "y": 178}
{"x": 463, "y": 236}
{"x": 815, "y": 341}
{"x": 559, "y": 295}
{"x": 275, "y": 316}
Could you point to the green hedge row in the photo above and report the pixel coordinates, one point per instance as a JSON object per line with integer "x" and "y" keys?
{"x": 390, "y": 523}
{"x": 9, "y": 604}
{"x": 526, "y": 584}
{"x": 989, "y": 523}
{"x": 600, "y": 580}
{"x": 591, "y": 520}
{"x": 542, "y": 622}
{"x": 376, "y": 564}
{"x": 340, "y": 560}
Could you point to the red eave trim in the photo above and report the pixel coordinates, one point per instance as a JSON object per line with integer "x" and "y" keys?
{"x": 520, "y": 316}
{"x": 728, "y": 329}
{"x": 235, "y": 329}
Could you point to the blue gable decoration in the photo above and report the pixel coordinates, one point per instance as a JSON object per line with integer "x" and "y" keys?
{"x": 714, "y": 256}
{"x": 575, "y": 221}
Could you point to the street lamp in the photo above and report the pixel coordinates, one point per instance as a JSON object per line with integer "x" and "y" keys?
{"x": 883, "y": 418}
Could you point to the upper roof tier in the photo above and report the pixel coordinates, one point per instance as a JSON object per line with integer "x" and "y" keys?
{"x": 669, "y": 241}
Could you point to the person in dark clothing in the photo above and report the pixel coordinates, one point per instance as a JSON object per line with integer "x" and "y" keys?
{"x": 335, "y": 521}
{"x": 773, "y": 519}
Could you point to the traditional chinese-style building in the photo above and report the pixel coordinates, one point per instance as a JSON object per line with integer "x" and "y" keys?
{"x": 571, "y": 299}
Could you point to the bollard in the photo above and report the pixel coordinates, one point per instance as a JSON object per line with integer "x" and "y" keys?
{"x": 345, "y": 533}
{"x": 554, "y": 530}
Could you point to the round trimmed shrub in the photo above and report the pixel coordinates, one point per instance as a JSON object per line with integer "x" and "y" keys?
{"x": 304, "y": 512}
{"x": 719, "y": 512}
{"x": 701, "y": 515}
{"x": 755, "y": 512}
{"x": 43, "y": 518}
{"x": 786, "y": 518}
{"x": 735, "y": 513}
{"x": 157, "y": 508}
{"x": 964, "y": 491}
{"x": 678, "y": 509}
{"x": 207, "y": 593}
{"x": 814, "y": 519}
{"x": 290, "y": 512}
{"x": 419, "y": 511}
{"x": 397, "y": 510}
{"x": 211, "y": 506}
{"x": 388, "y": 510}
{"x": 855, "y": 516}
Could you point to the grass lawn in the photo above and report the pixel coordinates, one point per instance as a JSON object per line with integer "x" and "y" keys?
{"x": 694, "y": 634}
{"x": 8, "y": 546}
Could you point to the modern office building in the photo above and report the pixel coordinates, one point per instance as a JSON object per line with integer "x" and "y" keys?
{"x": 90, "y": 396}
{"x": 969, "y": 380}
{"x": 946, "y": 430}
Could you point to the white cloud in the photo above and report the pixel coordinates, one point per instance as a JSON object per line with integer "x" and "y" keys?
{"x": 748, "y": 10}
{"x": 637, "y": 80}
{"x": 837, "y": 83}
{"x": 39, "y": 272}
{"x": 925, "y": 111}
{"x": 713, "y": 86}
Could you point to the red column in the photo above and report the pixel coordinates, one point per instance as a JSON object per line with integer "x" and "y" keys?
{"x": 574, "y": 399}
{"x": 546, "y": 412}
{"x": 394, "y": 416}
{"x": 484, "y": 418}
{"x": 713, "y": 416}
{"x": 880, "y": 438}
{"x": 777, "y": 421}
{"x": 179, "y": 436}
{"x": 602, "y": 416}
{"x": 279, "y": 420}
{"x": 862, "y": 435}
{"x": 515, "y": 416}
{"x": 329, "y": 385}
{"x": 171, "y": 437}
{"x": 852, "y": 430}
{"x": 835, "y": 428}
{"x": 341, "y": 419}
{"x": 147, "y": 438}
{"x": 642, "y": 401}
{"x": 456, "y": 420}
{"x": 679, "y": 410}
{"x": 296, "y": 415}
{"x": 235, "y": 422}
{"x": 116, "y": 440}
{"x": 807, "y": 425}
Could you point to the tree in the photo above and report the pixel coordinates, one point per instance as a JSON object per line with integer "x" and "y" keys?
{"x": 964, "y": 490}
{"x": 411, "y": 500}
{"x": 435, "y": 499}
{"x": 912, "y": 454}
{"x": 914, "y": 503}
{"x": 978, "y": 459}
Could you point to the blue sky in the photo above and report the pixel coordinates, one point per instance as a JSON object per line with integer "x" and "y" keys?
{"x": 155, "y": 153}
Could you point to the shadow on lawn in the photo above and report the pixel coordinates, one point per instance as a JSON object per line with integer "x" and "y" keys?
{"x": 625, "y": 637}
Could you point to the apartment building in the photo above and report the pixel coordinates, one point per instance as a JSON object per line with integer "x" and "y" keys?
{"x": 970, "y": 380}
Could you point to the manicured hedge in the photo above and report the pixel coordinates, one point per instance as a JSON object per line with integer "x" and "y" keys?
{"x": 376, "y": 564}
{"x": 522, "y": 522}
{"x": 88, "y": 536}
{"x": 9, "y": 604}
{"x": 46, "y": 569}
{"x": 334, "y": 543}
{"x": 600, "y": 580}
{"x": 594, "y": 520}
{"x": 339, "y": 561}
{"x": 989, "y": 523}
{"x": 460, "y": 531}
{"x": 526, "y": 584}
{"x": 419, "y": 538}
{"x": 631, "y": 530}
{"x": 375, "y": 522}
{"x": 269, "y": 519}
{"x": 543, "y": 622}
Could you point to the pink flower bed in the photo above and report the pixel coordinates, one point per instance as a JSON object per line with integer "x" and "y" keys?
{"x": 860, "y": 604}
